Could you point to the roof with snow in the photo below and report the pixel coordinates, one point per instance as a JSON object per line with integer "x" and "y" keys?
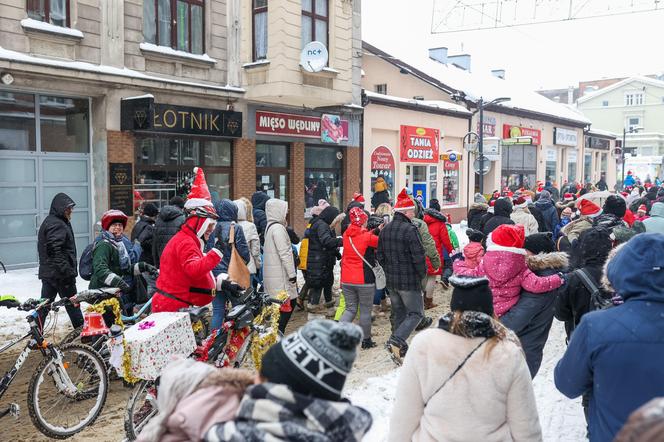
{"x": 432, "y": 105}
{"x": 601, "y": 133}
{"x": 614, "y": 86}
{"x": 475, "y": 85}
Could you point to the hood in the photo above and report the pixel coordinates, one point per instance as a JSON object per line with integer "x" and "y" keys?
{"x": 276, "y": 210}
{"x": 503, "y": 266}
{"x": 637, "y": 269}
{"x": 433, "y": 216}
{"x": 241, "y": 210}
{"x": 503, "y": 207}
{"x": 479, "y": 199}
{"x": 473, "y": 251}
{"x": 226, "y": 209}
{"x": 545, "y": 261}
{"x": 60, "y": 202}
{"x": 543, "y": 204}
{"x": 236, "y": 378}
{"x": 478, "y": 206}
{"x": 608, "y": 221}
{"x": 595, "y": 245}
{"x": 657, "y": 209}
{"x": 329, "y": 214}
{"x": 259, "y": 199}
{"x": 169, "y": 213}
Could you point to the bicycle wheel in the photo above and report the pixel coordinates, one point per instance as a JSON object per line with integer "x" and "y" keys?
{"x": 97, "y": 343}
{"x": 141, "y": 407}
{"x": 74, "y": 392}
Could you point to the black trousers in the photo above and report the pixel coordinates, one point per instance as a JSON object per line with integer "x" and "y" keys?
{"x": 66, "y": 288}
{"x": 284, "y": 317}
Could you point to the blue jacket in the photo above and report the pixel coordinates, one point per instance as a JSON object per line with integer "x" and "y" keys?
{"x": 549, "y": 213}
{"x": 618, "y": 354}
{"x": 227, "y": 211}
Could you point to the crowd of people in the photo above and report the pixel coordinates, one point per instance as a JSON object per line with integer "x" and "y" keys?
{"x": 590, "y": 260}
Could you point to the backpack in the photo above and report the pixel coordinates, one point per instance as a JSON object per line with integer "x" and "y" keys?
{"x": 304, "y": 250}
{"x": 597, "y": 301}
{"x": 85, "y": 269}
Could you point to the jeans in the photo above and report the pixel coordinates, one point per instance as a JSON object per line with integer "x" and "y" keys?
{"x": 218, "y": 310}
{"x": 66, "y": 289}
{"x": 359, "y": 296}
{"x": 379, "y": 295}
{"x": 314, "y": 294}
{"x": 407, "y": 310}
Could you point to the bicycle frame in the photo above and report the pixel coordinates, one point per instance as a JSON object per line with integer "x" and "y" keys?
{"x": 137, "y": 315}
{"x": 9, "y": 376}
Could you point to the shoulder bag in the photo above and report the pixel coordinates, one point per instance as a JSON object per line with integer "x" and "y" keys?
{"x": 379, "y": 273}
{"x": 238, "y": 272}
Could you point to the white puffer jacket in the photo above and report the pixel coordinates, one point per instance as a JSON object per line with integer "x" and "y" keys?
{"x": 278, "y": 264}
{"x": 526, "y": 219}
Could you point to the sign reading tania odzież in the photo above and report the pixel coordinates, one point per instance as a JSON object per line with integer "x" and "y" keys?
{"x": 145, "y": 115}
{"x": 419, "y": 144}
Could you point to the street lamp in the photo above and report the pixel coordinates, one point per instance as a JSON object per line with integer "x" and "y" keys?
{"x": 480, "y": 147}
{"x": 622, "y": 151}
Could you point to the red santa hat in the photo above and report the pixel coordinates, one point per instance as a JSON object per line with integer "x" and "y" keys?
{"x": 358, "y": 217}
{"x": 520, "y": 202}
{"x": 568, "y": 197}
{"x": 642, "y": 208}
{"x": 588, "y": 208}
{"x": 199, "y": 196}
{"x": 507, "y": 238}
{"x": 357, "y": 196}
{"x": 404, "y": 203}
{"x": 629, "y": 172}
{"x": 624, "y": 194}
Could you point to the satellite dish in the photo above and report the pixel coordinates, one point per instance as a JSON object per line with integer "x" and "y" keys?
{"x": 314, "y": 57}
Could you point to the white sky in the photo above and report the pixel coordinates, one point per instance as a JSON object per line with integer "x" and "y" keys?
{"x": 552, "y": 55}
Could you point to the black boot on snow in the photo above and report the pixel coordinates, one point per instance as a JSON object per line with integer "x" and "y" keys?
{"x": 424, "y": 323}
{"x": 368, "y": 343}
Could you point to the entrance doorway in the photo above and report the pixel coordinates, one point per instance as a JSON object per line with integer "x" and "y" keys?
{"x": 422, "y": 180}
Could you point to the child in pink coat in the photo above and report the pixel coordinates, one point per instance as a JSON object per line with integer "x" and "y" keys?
{"x": 504, "y": 264}
{"x": 474, "y": 250}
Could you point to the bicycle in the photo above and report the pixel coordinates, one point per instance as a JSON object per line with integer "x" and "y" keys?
{"x": 79, "y": 379}
{"x": 250, "y": 328}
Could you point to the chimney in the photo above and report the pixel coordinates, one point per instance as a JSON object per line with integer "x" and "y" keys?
{"x": 570, "y": 95}
{"x": 462, "y": 61}
{"x": 500, "y": 73}
{"x": 438, "y": 54}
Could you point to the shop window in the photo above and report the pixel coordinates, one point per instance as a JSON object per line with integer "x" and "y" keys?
{"x": 604, "y": 162}
{"x": 588, "y": 168}
{"x": 271, "y": 155}
{"x": 178, "y": 24}
{"x": 323, "y": 176}
{"x": 272, "y": 169}
{"x": 451, "y": 183}
{"x": 165, "y": 167}
{"x": 551, "y": 171}
{"x": 315, "y": 21}
{"x": 519, "y": 166}
{"x": 64, "y": 124}
{"x": 259, "y": 12}
{"x": 17, "y": 125}
{"x": 571, "y": 165}
{"x": 55, "y": 12}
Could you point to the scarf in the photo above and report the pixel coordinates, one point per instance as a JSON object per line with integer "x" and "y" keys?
{"x": 123, "y": 254}
{"x": 277, "y": 413}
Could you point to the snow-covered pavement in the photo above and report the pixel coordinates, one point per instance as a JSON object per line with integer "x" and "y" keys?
{"x": 561, "y": 418}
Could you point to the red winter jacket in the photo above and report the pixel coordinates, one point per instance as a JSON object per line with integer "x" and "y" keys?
{"x": 438, "y": 230}
{"x": 353, "y": 269}
{"x": 183, "y": 265}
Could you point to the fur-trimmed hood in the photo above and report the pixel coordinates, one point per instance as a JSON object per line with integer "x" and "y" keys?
{"x": 337, "y": 220}
{"x": 478, "y": 206}
{"x": 545, "y": 261}
{"x": 435, "y": 214}
{"x": 606, "y": 284}
{"x": 229, "y": 377}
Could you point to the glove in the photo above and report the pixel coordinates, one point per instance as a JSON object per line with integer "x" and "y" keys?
{"x": 230, "y": 287}
{"x": 9, "y": 301}
{"x": 121, "y": 284}
{"x": 456, "y": 256}
{"x": 143, "y": 267}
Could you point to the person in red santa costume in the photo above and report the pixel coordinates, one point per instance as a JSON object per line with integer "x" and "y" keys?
{"x": 185, "y": 273}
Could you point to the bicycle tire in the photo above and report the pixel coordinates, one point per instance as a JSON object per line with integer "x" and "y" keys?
{"x": 39, "y": 376}
{"x": 132, "y": 430}
{"x": 98, "y": 345}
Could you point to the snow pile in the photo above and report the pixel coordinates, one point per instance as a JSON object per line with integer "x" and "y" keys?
{"x": 36, "y": 25}
{"x": 561, "y": 418}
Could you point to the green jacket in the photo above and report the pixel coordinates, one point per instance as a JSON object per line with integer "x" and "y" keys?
{"x": 427, "y": 242}
{"x": 106, "y": 270}
{"x": 453, "y": 237}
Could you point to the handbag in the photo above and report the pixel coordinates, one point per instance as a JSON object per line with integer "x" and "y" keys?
{"x": 238, "y": 272}
{"x": 379, "y": 273}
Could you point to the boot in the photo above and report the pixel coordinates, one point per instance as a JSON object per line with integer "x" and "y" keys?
{"x": 428, "y": 303}
{"x": 424, "y": 323}
{"x": 397, "y": 349}
{"x": 368, "y": 343}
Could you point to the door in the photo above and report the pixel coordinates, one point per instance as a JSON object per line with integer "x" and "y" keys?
{"x": 423, "y": 182}
{"x": 273, "y": 183}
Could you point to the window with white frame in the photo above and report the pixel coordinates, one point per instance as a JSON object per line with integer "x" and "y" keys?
{"x": 633, "y": 98}
{"x": 259, "y": 13}
{"x": 178, "y": 24}
{"x": 633, "y": 122}
{"x": 380, "y": 88}
{"x": 605, "y": 103}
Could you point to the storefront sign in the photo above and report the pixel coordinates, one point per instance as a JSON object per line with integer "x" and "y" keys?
{"x": 274, "y": 123}
{"x": 597, "y": 143}
{"x": 451, "y": 160}
{"x": 564, "y": 137}
{"x": 121, "y": 195}
{"x": 333, "y": 129}
{"x": 145, "y": 115}
{"x": 489, "y": 126}
{"x": 419, "y": 144}
{"x": 518, "y": 131}
{"x": 382, "y": 159}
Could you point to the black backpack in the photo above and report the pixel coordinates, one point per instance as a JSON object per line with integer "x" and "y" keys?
{"x": 597, "y": 301}
{"x": 85, "y": 264}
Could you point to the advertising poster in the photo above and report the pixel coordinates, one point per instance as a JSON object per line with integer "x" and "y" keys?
{"x": 419, "y": 144}
{"x": 420, "y": 192}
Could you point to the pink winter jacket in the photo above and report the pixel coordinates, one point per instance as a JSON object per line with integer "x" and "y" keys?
{"x": 508, "y": 274}
{"x": 473, "y": 253}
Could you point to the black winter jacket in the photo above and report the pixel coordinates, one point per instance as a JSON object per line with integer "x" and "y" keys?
{"x": 501, "y": 215}
{"x": 56, "y": 244}
{"x": 475, "y": 214}
{"x": 379, "y": 198}
{"x": 401, "y": 254}
{"x": 165, "y": 227}
{"x": 323, "y": 248}
{"x": 549, "y": 215}
{"x": 534, "y": 211}
{"x": 143, "y": 231}
{"x": 258, "y": 200}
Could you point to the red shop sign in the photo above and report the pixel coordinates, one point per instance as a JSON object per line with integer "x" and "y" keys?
{"x": 419, "y": 144}
{"x": 275, "y": 123}
{"x": 518, "y": 131}
{"x": 382, "y": 159}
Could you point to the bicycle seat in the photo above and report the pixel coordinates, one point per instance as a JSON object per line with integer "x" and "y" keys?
{"x": 195, "y": 313}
